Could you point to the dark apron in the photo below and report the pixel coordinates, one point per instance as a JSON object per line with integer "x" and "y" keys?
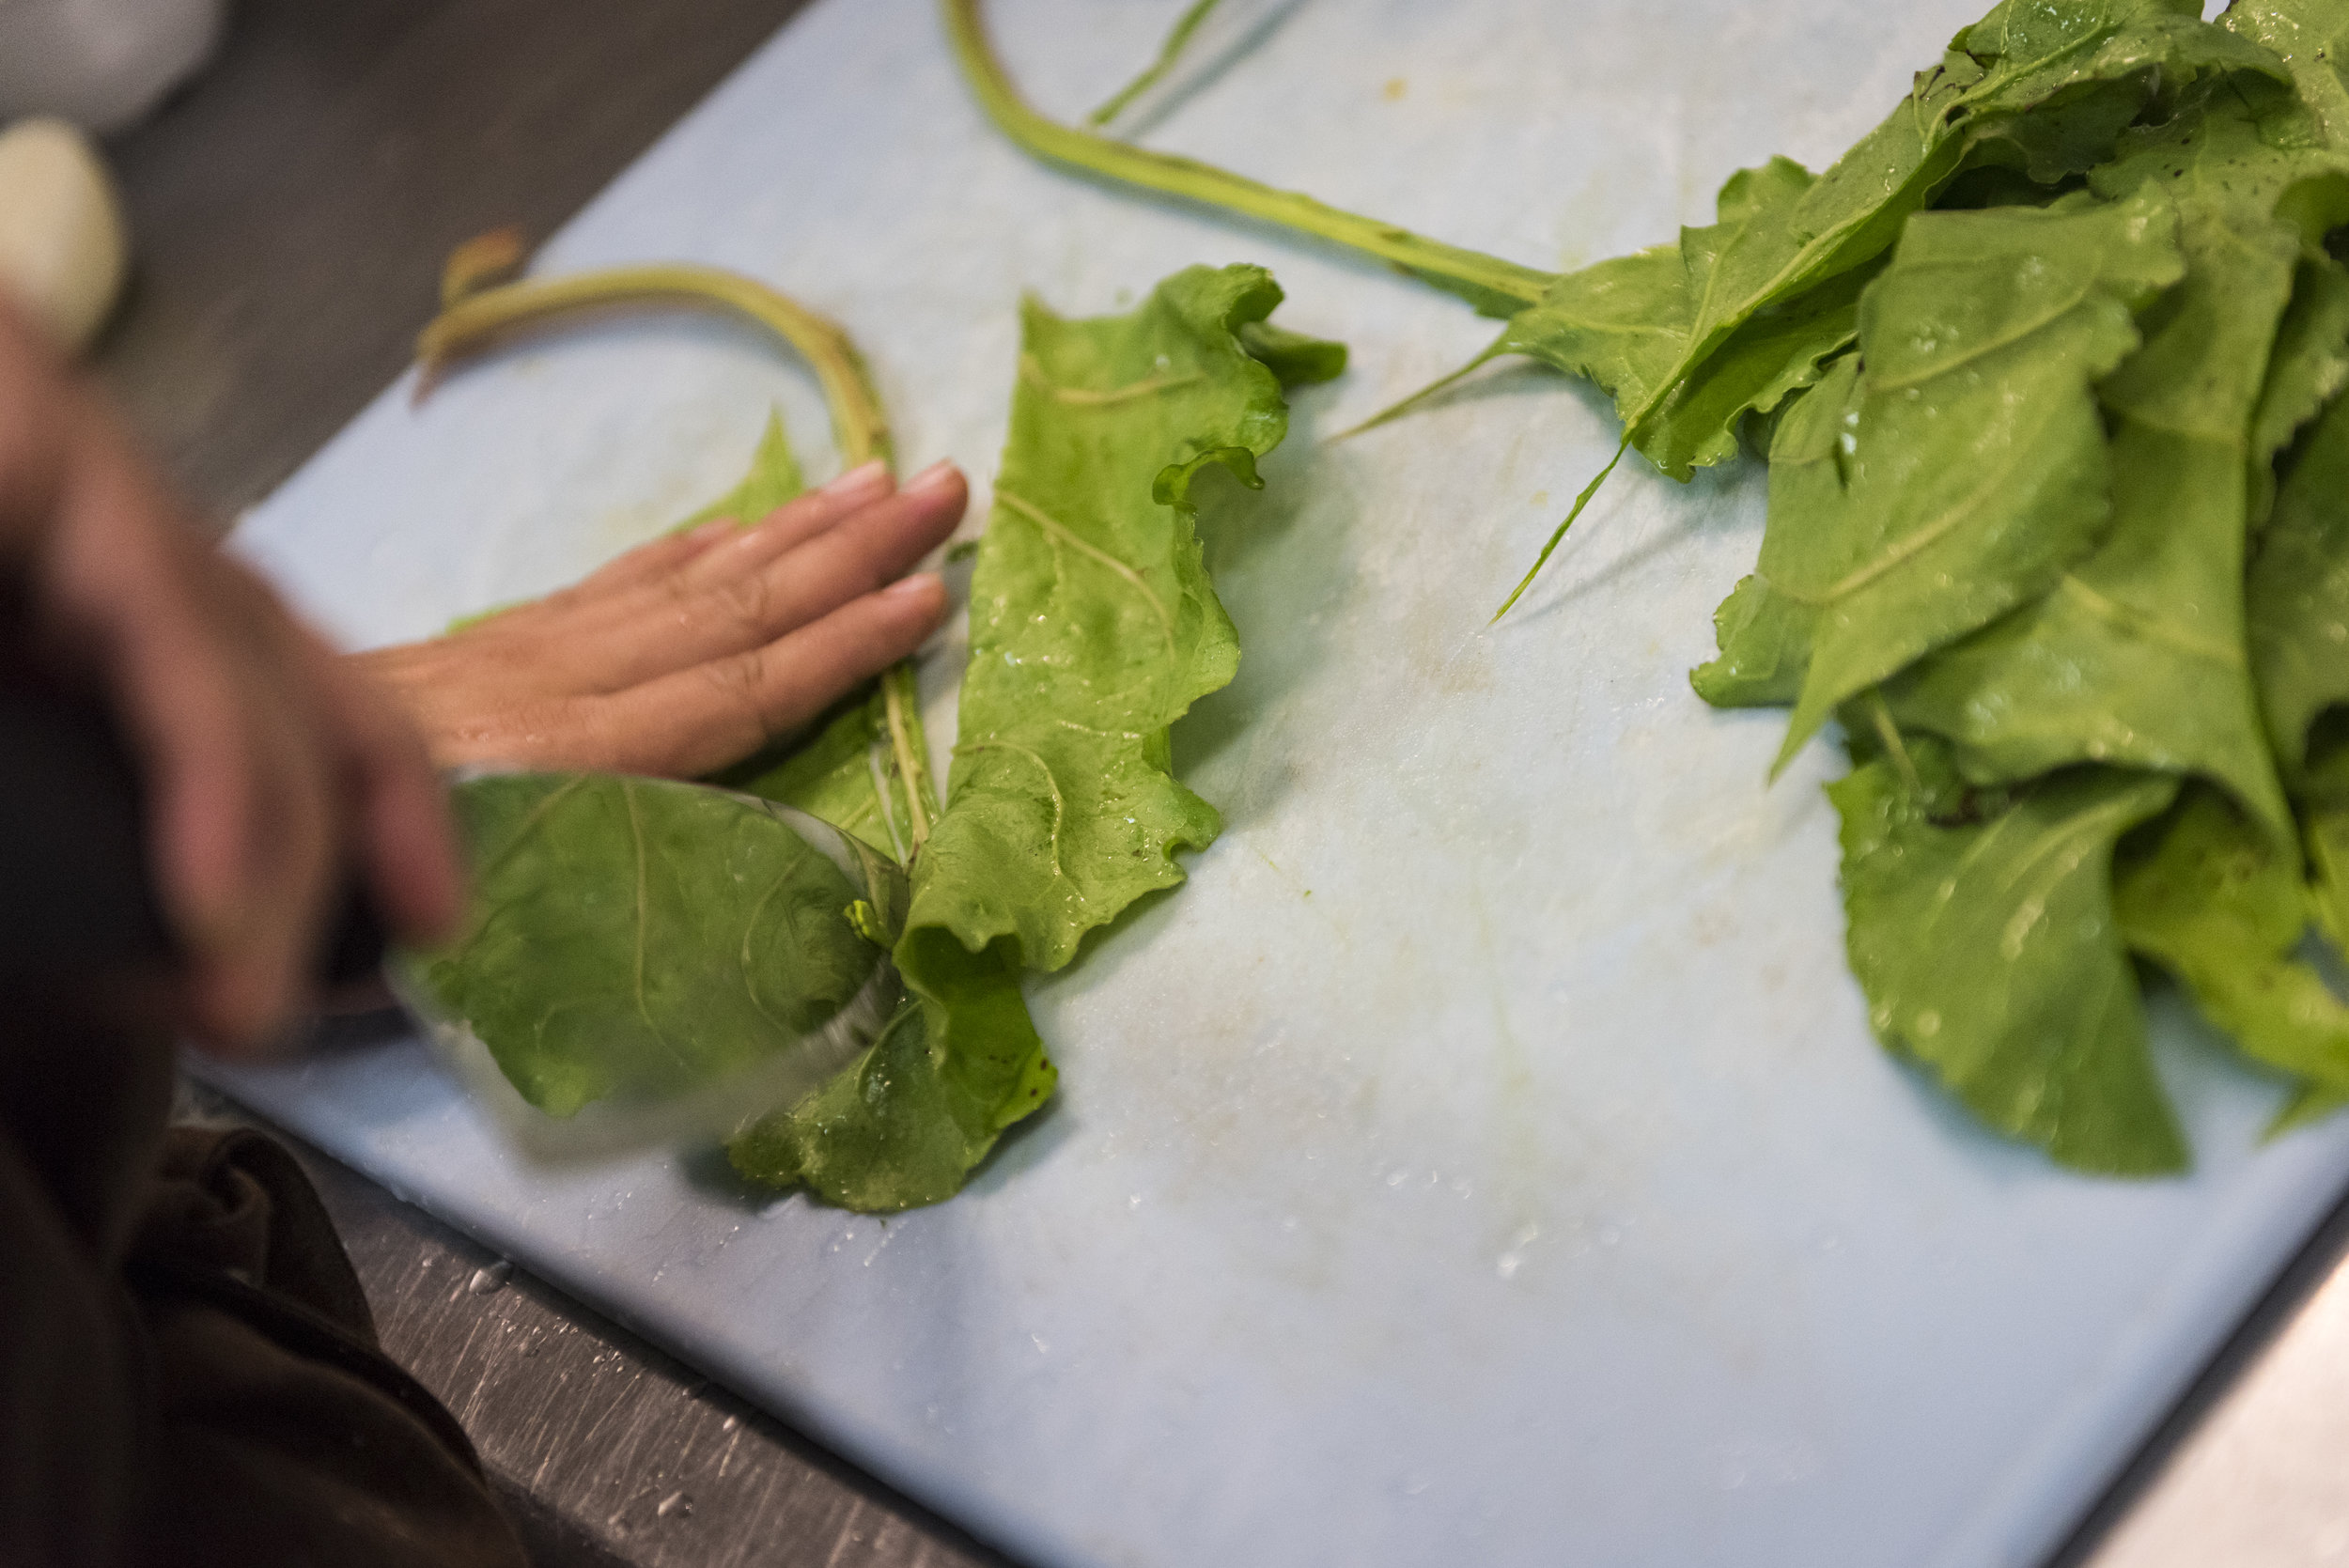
{"x": 189, "y": 1373}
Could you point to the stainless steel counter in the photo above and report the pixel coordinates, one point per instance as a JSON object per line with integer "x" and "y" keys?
{"x": 291, "y": 212}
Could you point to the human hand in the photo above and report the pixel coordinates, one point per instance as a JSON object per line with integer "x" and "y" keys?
{"x": 692, "y": 651}
{"x": 272, "y": 771}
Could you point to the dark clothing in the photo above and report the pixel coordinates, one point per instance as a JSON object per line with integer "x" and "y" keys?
{"x": 189, "y": 1373}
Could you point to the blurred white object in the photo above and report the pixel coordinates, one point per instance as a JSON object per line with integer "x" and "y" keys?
{"x": 101, "y": 64}
{"x": 62, "y": 255}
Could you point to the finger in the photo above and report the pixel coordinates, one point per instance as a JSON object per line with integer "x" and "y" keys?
{"x": 791, "y": 525}
{"x": 862, "y": 554}
{"x": 238, "y": 795}
{"x": 697, "y": 720}
{"x": 240, "y": 791}
{"x": 387, "y": 823}
{"x": 35, "y": 430}
{"x": 654, "y": 558}
{"x": 243, "y": 992}
{"x": 296, "y": 822}
{"x": 124, "y": 598}
{"x": 649, "y": 582}
{"x": 754, "y": 540}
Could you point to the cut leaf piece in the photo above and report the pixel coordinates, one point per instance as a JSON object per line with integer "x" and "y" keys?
{"x": 959, "y": 1062}
{"x": 1974, "y": 462}
{"x": 1989, "y": 954}
{"x": 1093, "y": 623}
{"x": 637, "y": 940}
{"x": 913, "y": 1099}
{"x": 1093, "y": 628}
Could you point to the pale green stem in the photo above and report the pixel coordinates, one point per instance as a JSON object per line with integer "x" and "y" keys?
{"x": 860, "y": 429}
{"x": 1481, "y": 279}
{"x": 904, "y": 721}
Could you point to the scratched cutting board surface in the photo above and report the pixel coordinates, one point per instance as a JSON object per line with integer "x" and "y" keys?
{"x": 1484, "y": 1157}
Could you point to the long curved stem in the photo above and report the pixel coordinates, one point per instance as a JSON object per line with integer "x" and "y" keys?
{"x": 1482, "y": 279}
{"x": 859, "y": 428}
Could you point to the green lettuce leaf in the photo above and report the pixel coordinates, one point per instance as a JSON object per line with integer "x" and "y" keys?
{"x": 2307, "y": 369}
{"x": 1093, "y": 627}
{"x": 1646, "y": 328}
{"x": 2214, "y": 903}
{"x": 1093, "y": 623}
{"x": 1989, "y": 955}
{"x": 846, "y": 772}
{"x": 2134, "y": 658}
{"x": 610, "y": 955}
{"x": 1632, "y": 325}
{"x": 2297, "y": 603}
{"x": 2309, "y": 36}
{"x": 1974, "y": 463}
{"x": 959, "y": 1062}
{"x": 1764, "y": 635}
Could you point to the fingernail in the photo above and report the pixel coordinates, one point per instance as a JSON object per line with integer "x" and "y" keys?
{"x": 860, "y": 477}
{"x": 920, "y": 582}
{"x": 932, "y": 477}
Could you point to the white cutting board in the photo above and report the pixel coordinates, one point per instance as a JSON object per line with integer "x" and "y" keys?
{"x": 1484, "y": 1157}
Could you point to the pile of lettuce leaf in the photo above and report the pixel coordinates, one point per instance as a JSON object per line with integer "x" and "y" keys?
{"x": 2048, "y": 370}
{"x": 636, "y": 942}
